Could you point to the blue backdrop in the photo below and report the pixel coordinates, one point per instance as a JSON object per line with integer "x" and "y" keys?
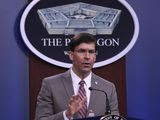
{"x": 14, "y": 100}
{"x": 142, "y": 64}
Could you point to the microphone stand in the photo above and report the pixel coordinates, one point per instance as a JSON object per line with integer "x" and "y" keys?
{"x": 108, "y": 110}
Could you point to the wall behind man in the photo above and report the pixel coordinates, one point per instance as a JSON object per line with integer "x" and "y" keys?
{"x": 142, "y": 63}
{"x": 14, "y": 98}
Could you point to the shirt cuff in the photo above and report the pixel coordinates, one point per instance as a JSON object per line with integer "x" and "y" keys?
{"x": 65, "y": 117}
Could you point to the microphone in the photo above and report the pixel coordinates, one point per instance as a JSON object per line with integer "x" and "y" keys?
{"x": 108, "y": 109}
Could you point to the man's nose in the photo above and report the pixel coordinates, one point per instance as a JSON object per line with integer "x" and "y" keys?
{"x": 87, "y": 55}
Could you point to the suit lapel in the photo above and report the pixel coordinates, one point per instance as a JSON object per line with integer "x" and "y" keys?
{"x": 67, "y": 82}
{"x": 93, "y": 96}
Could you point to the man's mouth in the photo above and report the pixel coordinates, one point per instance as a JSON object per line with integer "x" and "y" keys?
{"x": 86, "y": 64}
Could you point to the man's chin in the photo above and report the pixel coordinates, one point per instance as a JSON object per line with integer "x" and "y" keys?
{"x": 86, "y": 69}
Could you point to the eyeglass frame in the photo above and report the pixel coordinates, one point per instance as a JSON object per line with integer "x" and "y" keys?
{"x": 83, "y": 51}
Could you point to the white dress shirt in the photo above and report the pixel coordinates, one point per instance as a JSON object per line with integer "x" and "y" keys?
{"x": 75, "y": 82}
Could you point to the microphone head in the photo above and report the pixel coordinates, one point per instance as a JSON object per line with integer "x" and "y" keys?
{"x": 90, "y": 88}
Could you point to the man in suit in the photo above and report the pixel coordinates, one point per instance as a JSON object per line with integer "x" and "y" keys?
{"x": 67, "y": 96}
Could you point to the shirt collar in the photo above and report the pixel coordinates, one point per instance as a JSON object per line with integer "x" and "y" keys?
{"x": 76, "y": 79}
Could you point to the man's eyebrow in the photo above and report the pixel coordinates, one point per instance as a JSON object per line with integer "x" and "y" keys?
{"x": 85, "y": 49}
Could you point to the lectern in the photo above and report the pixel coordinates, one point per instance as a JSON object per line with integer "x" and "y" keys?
{"x": 107, "y": 117}
{"x": 90, "y": 118}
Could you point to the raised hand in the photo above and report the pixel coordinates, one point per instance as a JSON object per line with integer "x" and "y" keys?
{"x": 75, "y": 104}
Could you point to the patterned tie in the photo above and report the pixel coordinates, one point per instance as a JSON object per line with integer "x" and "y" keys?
{"x": 82, "y": 94}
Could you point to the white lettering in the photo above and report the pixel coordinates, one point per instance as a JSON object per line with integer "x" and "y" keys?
{"x": 45, "y": 41}
{"x": 67, "y": 41}
{"x": 108, "y": 42}
{"x": 52, "y": 42}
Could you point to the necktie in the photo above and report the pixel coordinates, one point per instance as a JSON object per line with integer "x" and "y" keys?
{"x": 82, "y": 94}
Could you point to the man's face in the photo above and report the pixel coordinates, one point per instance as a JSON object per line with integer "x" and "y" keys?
{"x": 83, "y": 57}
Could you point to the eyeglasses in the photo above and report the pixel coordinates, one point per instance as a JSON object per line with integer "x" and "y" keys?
{"x": 83, "y": 51}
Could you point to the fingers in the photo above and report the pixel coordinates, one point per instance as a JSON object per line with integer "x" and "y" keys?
{"x": 75, "y": 99}
{"x": 75, "y": 104}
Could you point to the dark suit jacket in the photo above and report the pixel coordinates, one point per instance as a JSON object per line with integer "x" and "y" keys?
{"x": 57, "y": 90}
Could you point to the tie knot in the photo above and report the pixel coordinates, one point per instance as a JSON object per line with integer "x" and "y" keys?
{"x": 82, "y": 82}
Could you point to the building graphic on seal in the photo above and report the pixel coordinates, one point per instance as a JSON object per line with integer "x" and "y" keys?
{"x": 79, "y": 17}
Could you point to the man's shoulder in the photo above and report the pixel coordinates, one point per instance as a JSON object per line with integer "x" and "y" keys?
{"x": 57, "y": 77}
{"x": 104, "y": 84}
{"x": 102, "y": 80}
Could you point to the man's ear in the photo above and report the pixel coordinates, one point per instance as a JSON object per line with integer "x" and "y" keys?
{"x": 70, "y": 53}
